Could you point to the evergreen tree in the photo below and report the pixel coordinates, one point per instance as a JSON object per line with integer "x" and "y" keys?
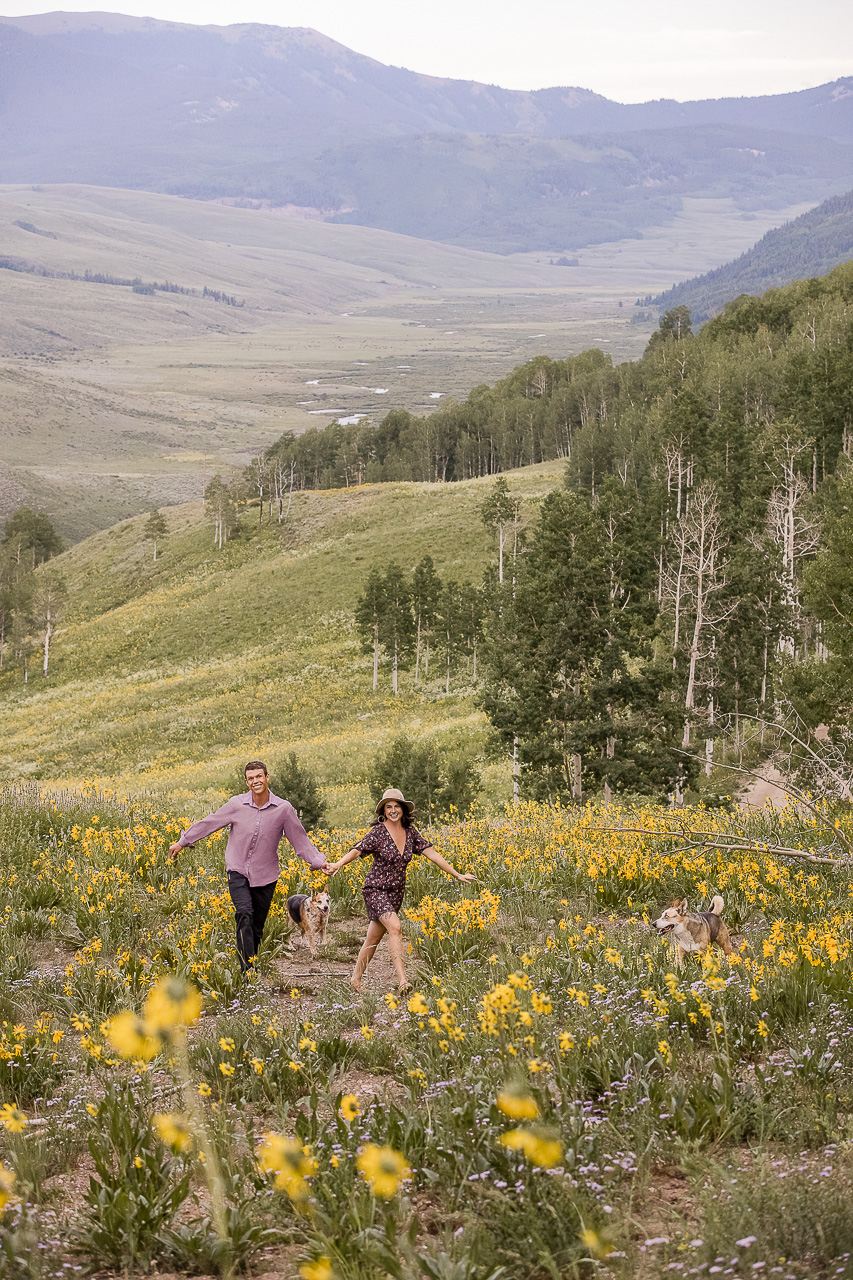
{"x": 368, "y": 615}
{"x": 294, "y": 782}
{"x": 579, "y": 685}
{"x": 434, "y": 782}
{"x": 472, "y": 610}
{"x": 426, "y": 590}
{"x": 155, "y": 529}
{"x": 450, "y": 626}
{"x": 396, "y": 625}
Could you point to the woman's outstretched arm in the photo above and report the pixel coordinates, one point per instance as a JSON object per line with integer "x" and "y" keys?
{"x": 333, "y": 867}
{"x": 444, "y": 865}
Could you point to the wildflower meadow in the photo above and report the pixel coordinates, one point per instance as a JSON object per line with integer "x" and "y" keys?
{"x": 554, "y": 1098}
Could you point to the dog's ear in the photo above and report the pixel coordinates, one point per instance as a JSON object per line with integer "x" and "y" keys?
{"x": 682, "y": 906}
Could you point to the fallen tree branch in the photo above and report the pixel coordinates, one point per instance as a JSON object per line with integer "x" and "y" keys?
{"x": 760, "y": 846}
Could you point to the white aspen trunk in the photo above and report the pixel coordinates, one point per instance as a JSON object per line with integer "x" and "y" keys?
{"x": 47, "y": 635}
{"x": 475, "y": 660}
{"x": 697, "y": 633}
{"x": 676, "y": 633}
{"x": 418, "y": 649}
{"x": 426, "y": 657}
{"x": 394, "y": 668}
{"x": 500, "y": 553}
{"x": 155, "y": 550}
{"x": 516, "y": 770}
{"x": 375, "y": 654}
{"x": 447, "y": 674}
{"x": 709, "y": 742}
{"x": 610, "y": 753}
{"x": 577, "y": 779}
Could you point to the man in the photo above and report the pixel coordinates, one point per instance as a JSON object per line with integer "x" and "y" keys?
{"x": 258, "y": 820}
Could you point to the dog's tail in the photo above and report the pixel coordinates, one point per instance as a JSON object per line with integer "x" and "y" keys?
{"x": 716, "y": 907}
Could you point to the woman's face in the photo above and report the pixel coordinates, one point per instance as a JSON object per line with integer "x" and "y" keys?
{"x": 393, "y": 811}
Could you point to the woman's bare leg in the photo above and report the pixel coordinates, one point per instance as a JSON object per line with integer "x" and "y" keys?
{"x": 375, "y": 930}
{"x": 394, "y": 929}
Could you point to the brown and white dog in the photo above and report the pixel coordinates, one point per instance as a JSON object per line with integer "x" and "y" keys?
{"x": 694, "y": 930}
{"x": 312, "y": 916}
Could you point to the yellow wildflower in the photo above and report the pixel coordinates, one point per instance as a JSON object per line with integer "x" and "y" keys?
{"x": 172, "y": 1003}
{"x": 289, "y": 1161}
{"x": 517, "y": 1104}
{"x": 174, "y": 1131}
{"x": 349, "y": 1107}
{"x": 538, "y": 1149}
{"x": 383, "y": 1169}
{"x": 319, "y": 1269}
{"x": 7, "y": 1185}
{"x": 12, "y": 1119}
{"x": 129, "y": 1036}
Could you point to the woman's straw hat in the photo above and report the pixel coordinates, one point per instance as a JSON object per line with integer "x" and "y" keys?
{"x": 393, "y": 793}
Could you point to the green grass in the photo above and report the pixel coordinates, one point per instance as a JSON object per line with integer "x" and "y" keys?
{"x": 167, "y": 676}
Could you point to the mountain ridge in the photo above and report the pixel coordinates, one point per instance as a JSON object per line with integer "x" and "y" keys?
{"x": 268, "y": 112}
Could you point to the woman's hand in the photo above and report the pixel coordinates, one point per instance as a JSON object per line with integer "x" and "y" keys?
{"x": 468, "y": 879}
{"x": 331, "y": 869}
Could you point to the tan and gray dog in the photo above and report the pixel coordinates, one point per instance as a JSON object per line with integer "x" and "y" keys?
{"x": 312, "y": 916}
{"x": 694, "y": 930}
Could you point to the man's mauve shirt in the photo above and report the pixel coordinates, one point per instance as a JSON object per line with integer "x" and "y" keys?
{"x": 254, "y": 837}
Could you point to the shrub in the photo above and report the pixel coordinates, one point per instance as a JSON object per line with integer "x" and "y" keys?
{"x": 433, "y": 782}
{"x": 292, "y": 781}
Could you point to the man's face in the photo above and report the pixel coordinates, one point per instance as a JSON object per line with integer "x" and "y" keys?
{"x": 256, "y": 781}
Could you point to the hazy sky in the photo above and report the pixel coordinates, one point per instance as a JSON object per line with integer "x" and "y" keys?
{"x": 630, "y": 50}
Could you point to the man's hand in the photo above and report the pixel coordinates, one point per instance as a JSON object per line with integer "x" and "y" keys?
{"x": 330, "y": 868}
{"x": 175, "y": 849}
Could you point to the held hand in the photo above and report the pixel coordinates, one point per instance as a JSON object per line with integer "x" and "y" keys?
{"x": 330, "y": 868}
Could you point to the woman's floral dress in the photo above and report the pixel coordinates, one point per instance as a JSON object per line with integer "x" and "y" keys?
{"x": 386, "y": 883}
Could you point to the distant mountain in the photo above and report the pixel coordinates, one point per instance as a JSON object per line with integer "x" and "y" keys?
{"x": 809, "y": 246}
{"x": 290, "y": 116}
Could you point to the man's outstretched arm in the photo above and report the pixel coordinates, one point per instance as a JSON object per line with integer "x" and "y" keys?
{"x": 214, "y": 822}
{"x": 302, "y": 844}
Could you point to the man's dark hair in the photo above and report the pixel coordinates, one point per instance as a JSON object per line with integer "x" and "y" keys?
{"x": 256, "y": 764}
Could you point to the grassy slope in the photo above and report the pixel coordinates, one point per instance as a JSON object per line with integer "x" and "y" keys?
{"x": 167, "y": 676}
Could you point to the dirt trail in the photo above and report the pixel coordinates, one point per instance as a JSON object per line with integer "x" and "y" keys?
{"x": 760, "y": 790}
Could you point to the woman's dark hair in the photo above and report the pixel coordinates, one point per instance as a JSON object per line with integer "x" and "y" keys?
{"x": 405, "y": 817}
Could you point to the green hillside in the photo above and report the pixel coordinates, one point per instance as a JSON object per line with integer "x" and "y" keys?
{"x": 810, "y": 245}
{"x": 165, "y": 676}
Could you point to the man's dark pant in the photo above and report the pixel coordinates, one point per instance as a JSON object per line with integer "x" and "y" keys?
{"x": 251, "y": 908}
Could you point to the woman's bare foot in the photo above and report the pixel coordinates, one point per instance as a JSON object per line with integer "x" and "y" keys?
{"x": 405, "y": 988}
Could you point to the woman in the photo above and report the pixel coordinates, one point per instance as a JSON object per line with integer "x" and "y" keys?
{"x": 393, "y": 841}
